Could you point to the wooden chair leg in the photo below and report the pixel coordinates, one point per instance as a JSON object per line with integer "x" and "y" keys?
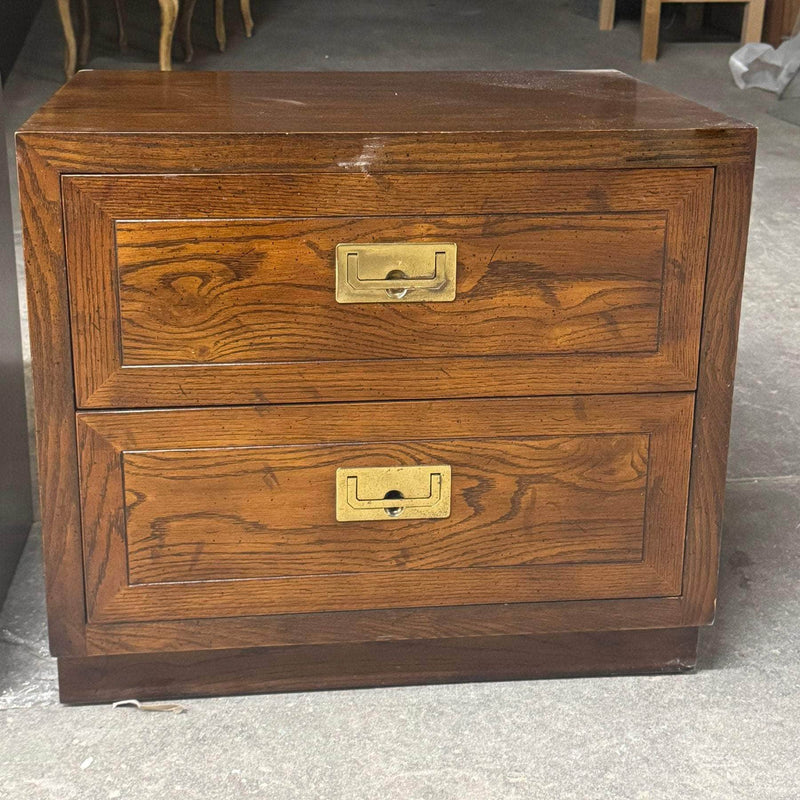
{"x": 185, "y": 25}
{"x": 247, "y": 16}
{"x": 219, "y": 24}
{"x": 70, "y": 45}
{"x": 651, "y": 17}
{"x": 122, "y": 36}
{"x": 607, "y": 9}
{"x": 169, "y": 16}
{"x": 86, "y": 33}
{"x": 753, "y": 21}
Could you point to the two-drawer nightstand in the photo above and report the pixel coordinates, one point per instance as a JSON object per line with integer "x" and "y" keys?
{"x": 360, "y": 379}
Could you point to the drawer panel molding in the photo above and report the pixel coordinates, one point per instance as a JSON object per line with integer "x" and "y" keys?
{"x": 224, "y": 512}
{"x": 210, "y": 290}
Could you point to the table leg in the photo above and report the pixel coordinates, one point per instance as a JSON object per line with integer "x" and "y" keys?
{"x": 651, "y": 18}
{"x": 753, "y": 21}
{"x": 607, "y": 9}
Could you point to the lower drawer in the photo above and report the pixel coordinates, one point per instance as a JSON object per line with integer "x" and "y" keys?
{"x": 226, "y": 512}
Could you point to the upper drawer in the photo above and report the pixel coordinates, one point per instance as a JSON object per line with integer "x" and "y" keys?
{"x": 221, "y": 289}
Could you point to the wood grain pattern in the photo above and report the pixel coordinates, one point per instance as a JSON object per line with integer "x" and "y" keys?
{"x": 377, "y": 103}
{"x": 91, "y": 153}
{"x": 222, "y": 291}
{"x": 438, "y": 428}
{"x": 95, "y": 204}
{"x": 200, "y": 515}
{"x": 281, "y": 669}
{"x": 723, "y": 299}
{"x": 51, "y": 352}
{"x": 612, "y": 121}
{"x": 341, "y": 627}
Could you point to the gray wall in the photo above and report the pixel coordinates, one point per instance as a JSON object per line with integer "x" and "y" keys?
{"x": 15, "y": 484}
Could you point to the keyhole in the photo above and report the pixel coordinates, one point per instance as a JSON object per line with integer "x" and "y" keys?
{"x": 397, "y": 294}
{"x": 394, "y": 511}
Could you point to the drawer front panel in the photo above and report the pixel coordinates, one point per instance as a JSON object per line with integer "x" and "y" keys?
{"x": 227, "y": 512}
{"x": 223, "y": 292}
{"x": 270, "y": 512}
{"x": 191, "y": 290}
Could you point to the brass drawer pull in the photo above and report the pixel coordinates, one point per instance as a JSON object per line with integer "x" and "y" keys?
{"x": 364, "y": 493}
{"x": 399, "y": 272}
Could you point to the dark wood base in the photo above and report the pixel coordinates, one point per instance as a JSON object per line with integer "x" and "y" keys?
{"x": 100, "y": 679}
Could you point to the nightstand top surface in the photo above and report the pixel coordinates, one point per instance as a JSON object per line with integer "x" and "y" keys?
{"x": 361, "y": 102}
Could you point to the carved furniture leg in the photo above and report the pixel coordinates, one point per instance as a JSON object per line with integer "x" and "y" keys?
{"x": 86, "y": 33}
{"x": 247, "y": 17}
{"x": 123, "y": 39}
{"x": 219, "y": 24}
{"x": 185, "y": 26}
{"x": 70, "y": 45}
{"x": 169, "y": 16}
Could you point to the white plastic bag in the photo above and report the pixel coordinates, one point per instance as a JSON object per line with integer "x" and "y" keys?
{"x": 763, "y": 67}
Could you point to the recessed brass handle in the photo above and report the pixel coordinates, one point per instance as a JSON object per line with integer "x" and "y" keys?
{"x": 364, "y": 493}
{"x": 409, "y": 272}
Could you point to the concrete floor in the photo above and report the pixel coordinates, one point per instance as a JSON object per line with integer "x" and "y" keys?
{"x": 731, "y": 730}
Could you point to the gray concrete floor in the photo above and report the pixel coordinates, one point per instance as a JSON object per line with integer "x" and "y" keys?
{"x": 731, "y": 730}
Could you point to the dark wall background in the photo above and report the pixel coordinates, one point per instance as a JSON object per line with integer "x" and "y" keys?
{"x": 16, "y": 17}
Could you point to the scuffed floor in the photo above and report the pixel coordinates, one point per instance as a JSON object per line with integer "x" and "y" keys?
{"x": 729, "y": 731}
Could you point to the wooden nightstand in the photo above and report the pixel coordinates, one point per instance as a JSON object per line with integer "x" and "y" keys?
{"x": 361, "y": 379}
